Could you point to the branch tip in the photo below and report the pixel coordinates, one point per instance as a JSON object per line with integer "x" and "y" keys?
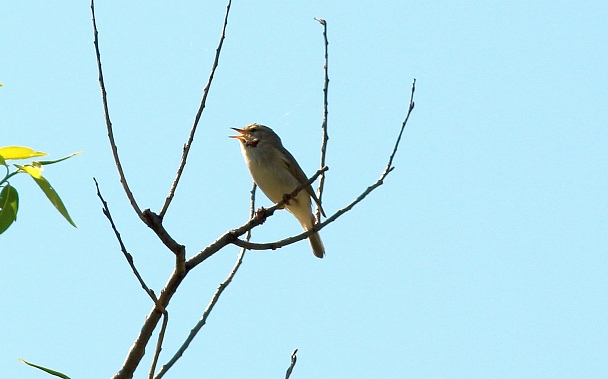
{"x": 325, "y": 137}
{"x": 294, "y": 359}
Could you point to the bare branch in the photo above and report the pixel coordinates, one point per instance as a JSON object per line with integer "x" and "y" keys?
{"x": 159, "y": 345}
{"x": 410, "y": 108}
{"x": 315, "y": 228}
{"x": 106, "y": 112}
{"x": 128, "y": 256}
{"x": 155, "y": 223}
{"x": 324, "y": 125}
{"x": 197, "y": 117}
{"x": 294, "y": 358}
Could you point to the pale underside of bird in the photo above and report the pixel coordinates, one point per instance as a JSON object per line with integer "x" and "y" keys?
{"x": 277, "y": 173}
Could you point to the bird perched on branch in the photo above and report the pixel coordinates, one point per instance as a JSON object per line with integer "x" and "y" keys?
{"x": 277, "y": 173}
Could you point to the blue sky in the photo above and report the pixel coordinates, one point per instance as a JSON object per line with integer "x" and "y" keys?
{"x": 484, "y": 254}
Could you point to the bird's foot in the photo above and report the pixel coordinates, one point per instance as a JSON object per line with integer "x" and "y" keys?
{"x": 260, "y": 215}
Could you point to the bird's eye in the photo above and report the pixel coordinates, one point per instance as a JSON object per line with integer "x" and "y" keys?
{"x": 253, "y": 130}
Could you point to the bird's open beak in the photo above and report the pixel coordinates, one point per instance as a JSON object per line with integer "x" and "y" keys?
{"x": 246, "y": 137}
{"x": 243, "y": 136}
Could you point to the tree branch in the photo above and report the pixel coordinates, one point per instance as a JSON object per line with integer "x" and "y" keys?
{"x": 407, "y": 117}
{"x": 324, "y": 125}
{"x": 294, "y": 358}
{"x": 128, "y": 256}
{"x": 106, "y": 112}
{"x": 197, "y": 117}
{"x": 155, "y": 222}
{"x": 159, "y": 345}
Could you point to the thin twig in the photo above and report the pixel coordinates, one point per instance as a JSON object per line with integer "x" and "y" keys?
{"x": 214, "y": 299}
{"x": 389, "y": 166}
{"x": 159, "y": 345}
{"x": 106, "y": 112}
{"x": 324, "y": 125}
{"x": 197, "y": 117}
{"x": 128, "y": 256}
{"x": 294, "y": 358}
{"x": 335, "y": 216}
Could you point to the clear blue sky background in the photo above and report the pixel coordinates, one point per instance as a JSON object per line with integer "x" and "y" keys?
{"x": 484, "y": 254}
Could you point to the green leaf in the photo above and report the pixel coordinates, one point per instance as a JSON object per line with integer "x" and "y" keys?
{"x": 9, "y": 205}
{"x": 19, "y": 152}
{"x": 46, "y": 163}
{"x": 45, "y": 186}
{"x": 47, "y": 370}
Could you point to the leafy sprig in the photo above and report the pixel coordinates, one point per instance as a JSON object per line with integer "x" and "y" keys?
{"x": 9, "y": 197}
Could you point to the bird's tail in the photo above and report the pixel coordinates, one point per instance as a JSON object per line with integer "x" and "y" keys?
{"x": 317, "y": 245}
{"x": 307, "y": 220}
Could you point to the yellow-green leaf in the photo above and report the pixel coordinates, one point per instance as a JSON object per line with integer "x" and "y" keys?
{"x": 19, "y": 152}
{"x": 47, "y": 370}
{"x": 45, "y": 186}
{"x": 46, "y": 163}
{"x": 9, "y": 205}
{"x": 35, "y": 172}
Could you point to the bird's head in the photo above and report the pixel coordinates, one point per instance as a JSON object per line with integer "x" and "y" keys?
{"x": 254, "y": 135}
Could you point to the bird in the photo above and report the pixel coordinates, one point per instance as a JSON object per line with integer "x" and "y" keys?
{"x": 277, "y": 173}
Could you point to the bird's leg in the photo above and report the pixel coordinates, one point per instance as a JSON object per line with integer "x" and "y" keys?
{"x": 260, "y": 215}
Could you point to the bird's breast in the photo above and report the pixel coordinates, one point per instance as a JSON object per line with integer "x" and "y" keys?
{"x": 270, "y": 174}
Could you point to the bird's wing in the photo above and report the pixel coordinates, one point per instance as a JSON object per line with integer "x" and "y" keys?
{"x": 292, "y": 165}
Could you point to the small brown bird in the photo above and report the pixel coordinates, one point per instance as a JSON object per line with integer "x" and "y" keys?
{"x": 277, "y": 173}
